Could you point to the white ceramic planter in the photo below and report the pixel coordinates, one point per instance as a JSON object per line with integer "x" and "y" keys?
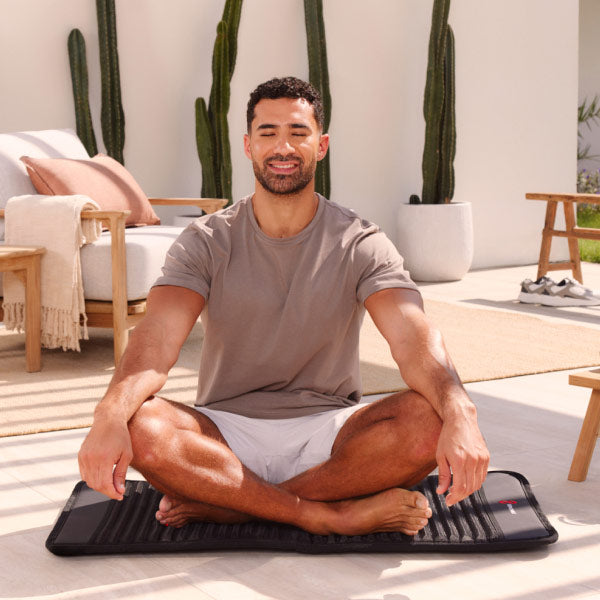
{"x": 436, "y": 240}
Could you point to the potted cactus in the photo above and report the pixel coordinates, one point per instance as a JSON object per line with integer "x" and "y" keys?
{"x": 436, "y": 234}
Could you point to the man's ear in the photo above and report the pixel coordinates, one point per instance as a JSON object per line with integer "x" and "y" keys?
{"x": 323, "y": 146}
{"x": 247, "y": 146}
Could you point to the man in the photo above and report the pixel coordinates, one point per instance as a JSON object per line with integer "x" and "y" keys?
{"x": 281, "y": 280}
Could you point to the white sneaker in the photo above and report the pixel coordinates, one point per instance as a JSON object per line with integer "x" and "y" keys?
{"x": 532, "y": 292}
{"x": 569, "y": 293}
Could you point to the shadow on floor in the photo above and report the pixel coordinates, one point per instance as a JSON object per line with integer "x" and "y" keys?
{"x": 584, "y": 315}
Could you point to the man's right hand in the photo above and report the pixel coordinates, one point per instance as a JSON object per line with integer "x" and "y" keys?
{"x": 107, "y": 445}
{"x": 152, "y": 350}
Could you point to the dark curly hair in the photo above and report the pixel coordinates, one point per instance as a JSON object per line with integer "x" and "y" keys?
{"x": 286, "y": 87}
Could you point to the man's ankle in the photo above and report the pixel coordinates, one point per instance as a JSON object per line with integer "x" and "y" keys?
{"x": 316, "y": 517}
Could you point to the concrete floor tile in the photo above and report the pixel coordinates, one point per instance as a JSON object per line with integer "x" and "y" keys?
{"x": 82, "y": 577}
{"x": 22, "y": 507}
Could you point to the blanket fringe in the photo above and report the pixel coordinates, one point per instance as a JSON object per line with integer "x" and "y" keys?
{"x": 58, "y": 328}
{"x": 14, "y": 316}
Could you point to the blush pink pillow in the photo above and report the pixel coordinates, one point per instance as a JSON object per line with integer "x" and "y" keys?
{"x": 101, "y": 178}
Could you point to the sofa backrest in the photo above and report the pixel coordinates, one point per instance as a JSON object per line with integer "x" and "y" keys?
{"x": 50, "y": 143}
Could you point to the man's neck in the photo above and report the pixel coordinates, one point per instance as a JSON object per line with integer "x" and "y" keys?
{"x": 282, "y": 216}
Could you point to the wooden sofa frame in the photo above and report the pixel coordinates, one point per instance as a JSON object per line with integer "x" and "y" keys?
{"x": 119, "y": 313}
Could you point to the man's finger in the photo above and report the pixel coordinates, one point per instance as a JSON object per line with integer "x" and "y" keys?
{"x": 82, "y": 467}
{"x": 471, "y": 478}
{"x": 459, "y": 489}
{"x": 484, "y": 469}
{"x": 444, "y": 476}
{"x": 103, "y": 482}
{"x": 99, "y": 477}
{"x": 466, "y": 480}
{"x": 119, "y": 475}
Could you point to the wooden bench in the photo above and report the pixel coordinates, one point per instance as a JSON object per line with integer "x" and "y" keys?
{"x": 571, "y": 231}
{"x": 24, "y": 262}
{"x": 590, "y": 428}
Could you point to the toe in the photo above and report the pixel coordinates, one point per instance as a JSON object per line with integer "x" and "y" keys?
{"x": 420, "y": 501}
{"x": 176, "y": 520}
{"x": 165, "y": 505}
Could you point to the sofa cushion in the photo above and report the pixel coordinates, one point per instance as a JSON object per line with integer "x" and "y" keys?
{"x": 101, "y": 178}
{"x": 145, "y": 249}
{"x": 51, "y": 143}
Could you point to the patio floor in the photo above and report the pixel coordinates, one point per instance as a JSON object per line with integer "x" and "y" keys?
{"x": 531, "y": 424}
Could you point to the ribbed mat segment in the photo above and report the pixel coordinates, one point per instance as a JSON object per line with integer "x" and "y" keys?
{"x": 503, "y": 515}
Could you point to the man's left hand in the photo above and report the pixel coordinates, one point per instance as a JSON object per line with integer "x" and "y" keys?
{"x": 462, "y": 457}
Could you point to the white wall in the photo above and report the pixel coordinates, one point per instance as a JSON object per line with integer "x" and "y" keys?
{"x": 589, "y": 73}
{"x": 516, "y": 96}
{"x": 516, "y": 105}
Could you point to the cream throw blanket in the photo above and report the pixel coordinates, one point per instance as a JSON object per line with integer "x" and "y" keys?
{"x": 53, "y": 222}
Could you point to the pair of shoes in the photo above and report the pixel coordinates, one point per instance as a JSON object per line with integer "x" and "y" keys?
{"x": 547, "y": 292}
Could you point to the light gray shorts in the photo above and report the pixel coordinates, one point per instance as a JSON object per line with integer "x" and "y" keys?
{"x": 279, "y": 449}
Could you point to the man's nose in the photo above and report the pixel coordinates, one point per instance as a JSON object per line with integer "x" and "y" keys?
{"x": 283, "y": 145}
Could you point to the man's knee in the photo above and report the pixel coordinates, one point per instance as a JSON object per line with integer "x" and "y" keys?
{"x": 417, "y": 419}
{"x": 147, "y": 428}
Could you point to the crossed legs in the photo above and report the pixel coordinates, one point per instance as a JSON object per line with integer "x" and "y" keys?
{"x": 382, "y": 449}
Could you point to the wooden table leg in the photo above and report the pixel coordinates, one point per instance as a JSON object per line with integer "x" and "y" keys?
{"x": 546, "y": 239}
{"x": 587, "y": 439}
{"x": 33, "y": 326}
{"x": 25, "y": 263}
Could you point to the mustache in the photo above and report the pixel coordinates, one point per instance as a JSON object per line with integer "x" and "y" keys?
{"x": 283, "y": 158}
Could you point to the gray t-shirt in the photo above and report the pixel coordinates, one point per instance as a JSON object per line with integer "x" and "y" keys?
{"x": 282, "y": 316}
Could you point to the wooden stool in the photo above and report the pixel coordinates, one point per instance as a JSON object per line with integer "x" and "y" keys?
{"x": 571, "y": 231}
{"x": 591, "y": 424}
{"x": 24, "y": 262}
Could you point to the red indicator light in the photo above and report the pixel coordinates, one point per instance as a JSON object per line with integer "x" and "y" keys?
{"x": 508, "y": 501}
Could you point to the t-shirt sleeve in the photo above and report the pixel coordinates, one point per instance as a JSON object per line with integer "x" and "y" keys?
{"x": 188, "y": 263}
{"x": 379, "y": 266}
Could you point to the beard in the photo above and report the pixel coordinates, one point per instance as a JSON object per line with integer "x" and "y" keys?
{"x": 281, "y": 184}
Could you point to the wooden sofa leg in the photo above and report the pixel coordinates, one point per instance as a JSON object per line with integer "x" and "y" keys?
{"x": 33, "y": 333}
{"x": 116, "y": 226}
{"x": 120, "y": 338}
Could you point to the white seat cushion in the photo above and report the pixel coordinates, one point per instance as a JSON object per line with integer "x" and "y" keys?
{"x": 146, "y": 248}
{"x": 51, "y": 143}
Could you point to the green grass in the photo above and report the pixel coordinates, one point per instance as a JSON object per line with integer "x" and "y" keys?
{"x": 589, "y": 250}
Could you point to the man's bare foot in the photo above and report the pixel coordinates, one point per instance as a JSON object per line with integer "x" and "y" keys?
{"x": 395, "y": 509}
{"x": 176, "y": 513}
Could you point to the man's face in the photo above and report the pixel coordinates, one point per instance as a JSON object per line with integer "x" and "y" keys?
{"x": 284, "y": 144}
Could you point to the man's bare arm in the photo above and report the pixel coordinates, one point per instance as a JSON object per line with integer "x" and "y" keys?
{"x": 424, "y": 363}
{"x": 153, "y": 348}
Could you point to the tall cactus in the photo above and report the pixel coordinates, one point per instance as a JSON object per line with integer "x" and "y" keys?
{"x": 319, "y": 78}
{"x": 439, "y": 110}
{"x": 112, "y": 117}
{"x": 79, "y": 79}
{"x": 212, "y": 129}
{"x": 449, "y": 122}
{"x": 206, "y": 151}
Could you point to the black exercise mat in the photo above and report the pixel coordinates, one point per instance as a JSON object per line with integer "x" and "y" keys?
{"x": 503, "y": 515}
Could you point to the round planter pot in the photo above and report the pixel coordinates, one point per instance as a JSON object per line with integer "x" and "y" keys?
{"x": 436, "y": 240}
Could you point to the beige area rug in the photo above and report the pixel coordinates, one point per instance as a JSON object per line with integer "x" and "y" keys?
{"x": 484, "y": 344}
